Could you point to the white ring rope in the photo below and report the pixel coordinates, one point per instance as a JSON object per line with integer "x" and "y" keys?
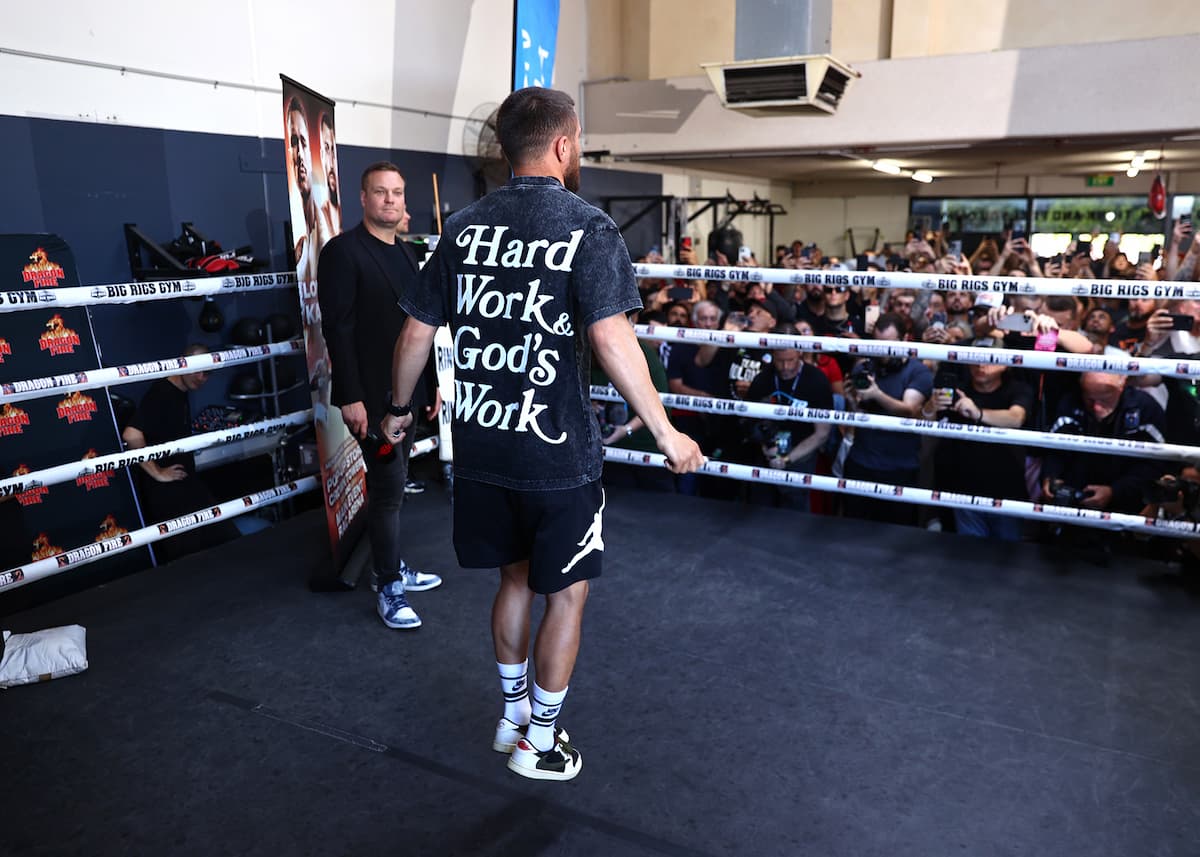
{"x": 905, "y": 494}
{"x": 118, "y": 460}
{"x": 421, "y": 447}
{"x": 1127, "y": 289}
{"x": 84, "y": 554}
{"x": 153, "y": 290}
{"x": 112, "y": 376}
{"x": 954, "y": 431}
{"x": 1055, "y": 361}
{"x": 15, "y": 577}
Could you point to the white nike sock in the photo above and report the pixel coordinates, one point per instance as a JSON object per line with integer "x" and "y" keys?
{"x": 515, "y": 684}
{"x": 546, "y": 706}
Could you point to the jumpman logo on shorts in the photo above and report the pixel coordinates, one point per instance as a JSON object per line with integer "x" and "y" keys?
{"x": 592, "y": 540}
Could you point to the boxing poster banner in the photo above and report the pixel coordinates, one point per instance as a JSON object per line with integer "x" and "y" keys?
{"x": 535, "y": 35}
{"x": 54, "y": 425}
{"x": 310, "y": 151}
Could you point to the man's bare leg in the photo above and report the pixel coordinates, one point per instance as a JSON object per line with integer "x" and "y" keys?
{"x": 557, "y": 643}
{"x": 511, "y": 613}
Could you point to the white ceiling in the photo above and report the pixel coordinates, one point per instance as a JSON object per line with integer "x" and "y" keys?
{"x": 1010, "y": 159}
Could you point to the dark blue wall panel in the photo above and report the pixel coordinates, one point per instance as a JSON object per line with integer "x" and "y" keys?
{"x": 85, "y": 180}
{"x": 22, "y": 208}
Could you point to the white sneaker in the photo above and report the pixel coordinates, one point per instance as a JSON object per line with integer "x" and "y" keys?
{"x": 418, "y": 581}
{"x": 509, "y": 733}
{"x": 394, "y": 608}
{"x": 414, "y": 581}
{"x": 561, "y": 762}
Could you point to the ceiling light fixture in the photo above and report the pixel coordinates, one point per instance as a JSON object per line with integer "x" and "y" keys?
{"x": 890, "y": 167}
{"x": 1132, "y": 172}
{"x": 922, "y": 176}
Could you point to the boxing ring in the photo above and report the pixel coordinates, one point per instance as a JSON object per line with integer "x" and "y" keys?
{"x": 1026, "y": 359}
{"x": 751, "y": 681}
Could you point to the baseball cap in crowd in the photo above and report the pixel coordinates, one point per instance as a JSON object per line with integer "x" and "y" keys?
{"x": 777, "y": 306}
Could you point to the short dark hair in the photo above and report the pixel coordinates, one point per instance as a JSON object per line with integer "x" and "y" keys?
{"x": 294, "y": 106}
{"x": 891, "y": 319}
{"x": 327, "y": 120}
{"x": 1062, "y": 303}
{"x": 530, "y": 119}
{"x": 380, "y": 167}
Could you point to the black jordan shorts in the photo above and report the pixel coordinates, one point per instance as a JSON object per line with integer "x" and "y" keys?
{"x": 559, "y": 532}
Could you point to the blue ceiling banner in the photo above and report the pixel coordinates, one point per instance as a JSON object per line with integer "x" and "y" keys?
{"x": 535, "y": 34}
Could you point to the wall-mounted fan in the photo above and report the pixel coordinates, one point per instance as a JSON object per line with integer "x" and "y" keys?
{"x": 482, "y": 149}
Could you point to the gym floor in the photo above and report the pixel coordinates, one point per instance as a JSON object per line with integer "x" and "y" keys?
{"x": 752, "y": 681}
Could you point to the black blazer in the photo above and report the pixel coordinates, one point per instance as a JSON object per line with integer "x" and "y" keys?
{"x": 359, "y": 283}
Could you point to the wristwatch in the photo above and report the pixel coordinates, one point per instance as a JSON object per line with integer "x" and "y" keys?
{"x": 398, "y": 410}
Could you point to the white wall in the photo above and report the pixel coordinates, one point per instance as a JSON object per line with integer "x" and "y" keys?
{"x": 368, "y": 55}
{"x": 824, "y": 221}
{"x": 984, "y": 96}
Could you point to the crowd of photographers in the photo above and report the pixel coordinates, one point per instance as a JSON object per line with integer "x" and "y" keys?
{"x": 1146, "y": 408}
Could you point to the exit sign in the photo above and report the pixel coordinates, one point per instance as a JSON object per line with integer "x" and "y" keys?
{"x": 1100, "y": 180}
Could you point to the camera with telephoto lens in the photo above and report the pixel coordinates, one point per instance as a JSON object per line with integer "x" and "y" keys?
{"x": 1066, "y": 495}
{"x": 1169, "y": 489}
{"x": 863, "y": 374}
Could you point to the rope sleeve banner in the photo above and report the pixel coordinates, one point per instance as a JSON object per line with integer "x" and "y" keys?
{"x": 1126, "y": 289}
{"x": 87, "y": 467}
{"x": 138, "y": 292}
{"x": 1054, "y": 361}
{"x": 955, "y": 431}
{"x": 113, "y": 376}
{"x": 904, "y": 494}
{"x": 126, "y": 541}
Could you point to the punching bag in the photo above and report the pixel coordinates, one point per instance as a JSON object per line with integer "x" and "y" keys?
{"x": 1157, "y": 201}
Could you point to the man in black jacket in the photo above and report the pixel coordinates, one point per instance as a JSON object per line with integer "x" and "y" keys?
{"x": 362, "y": 275}
{"x": 1104, "y": 406}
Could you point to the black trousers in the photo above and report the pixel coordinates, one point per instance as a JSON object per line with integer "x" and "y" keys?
{"x": 884, "y": 511}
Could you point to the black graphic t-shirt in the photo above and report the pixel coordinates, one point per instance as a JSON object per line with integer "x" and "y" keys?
{"x": 809, "y": 389}
{"x": 739, "y": 364}
{"x": 519, "y": 276}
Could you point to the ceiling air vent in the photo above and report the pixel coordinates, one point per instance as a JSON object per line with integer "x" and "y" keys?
{"x": 781, "y": 85}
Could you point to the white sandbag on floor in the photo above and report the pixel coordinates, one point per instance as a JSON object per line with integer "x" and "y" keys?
{"x": 43, "y": 655}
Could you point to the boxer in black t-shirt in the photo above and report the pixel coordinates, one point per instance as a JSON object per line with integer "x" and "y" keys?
{"x": 531, "y": 279}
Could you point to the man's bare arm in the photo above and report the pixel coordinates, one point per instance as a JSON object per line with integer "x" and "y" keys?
{"x": 408, "y": 362}
{"x": 616, "y": 347}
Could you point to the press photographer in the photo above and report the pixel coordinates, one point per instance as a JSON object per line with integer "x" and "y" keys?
{"x": 788, "y": 445}
{"x": 898, "y": 386}
{"x": 1104, "y": 405}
